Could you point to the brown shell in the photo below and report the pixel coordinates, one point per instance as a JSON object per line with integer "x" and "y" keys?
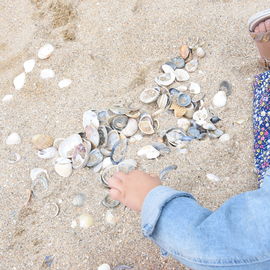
{"x": 184, "y": 51}
{"x": 42, "y": 141}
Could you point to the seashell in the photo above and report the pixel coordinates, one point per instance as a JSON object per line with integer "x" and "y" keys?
{"x": 57, "y": 142}
{"x": 52, "y": 210}
{"x": 45, "y": 51}
{"x": 174, "y": 136}
{"x": 219, "y": 99}
{"x": 19, "y": 81}
{"x": 98, "y": 167}
{"x": 103, "y": 116}
{"x": 226, "y": 87}
{"x": 183, "y": 123}
{"x": 215, "y": 119}
{"x": 67, "y": 146}
{"x": 113, "y": 138}
{"x": 168, "y": 67}
{"x": 184, "y": 51}
{"x": 179, "y": 62}
{"x": 212, "y": 177}
{"x": 182, "y": 144}
{"x": 150, "y": 95}
{"x": 131, "y": 128}
{"x": 183, "y": 100}
{"x": 104, "y": 266}
{"x": 215, "y": 134}
{"x": 63, "y": 167}
{"x": 190, "y": 109}
{"x": 200, "y": 52}
{"x": 200, "y": 116}
{"x": 194, "y": 133}
{"x": 47, "y": 153}
{"x": 182, "y": 88}
{"x": 109, "y": 203}
{"x": 165, "y": 79}
{"x": 164, "y": 101}
{"x": 224, "y": 138}
{"x": 107, "y": 173}
{"x": 181, "y": 75}
{"x": 174, "y": 92}
{"x": 240, "y": 121}
{"x": 42, "y": 141}
{"x": 47, "y": 74}
{"x": 103, "y": 136}
{"x": 146, "y": 124}
{"x": 80, "y": 155}
{"x": 178, "y": 110}
{"x": 194, "y": 88}
{"x": 29, "y": 65}
{"x": 105, "y": 152}
{"x": 13, "y": 138}
{"x": 90, "y": 118}
{"x": 119, "y": 122}
{"x": 79, "y": 200}
{"x": 162, "y": 148}
{"x": 86, "y": 221}
{"x": 39, "y": 179}
{"x": 7, "y": 99}
{"x": 107, "y": 162}
{"x": 14, "y": 158}
{"x": 133, "y": 114}
{"x": 127, "y": 165}
{"x": 64, "y": 83}
{"x": 209, "y": 126}
{"x": 92, "y": 135}
{"x": 95, "y": 158}
{"x": 118, "y": 151}
{"x": 149, "y": 152}
{"x": 73, "y": 224}
{"x": 192, "y": 65}
{"x": 110, "y": 218}
{"x": 183, "y": 151}
{"x": 166, "y": 170}
{"x": 198, "y": 97}
{"x": 119, "y": 109}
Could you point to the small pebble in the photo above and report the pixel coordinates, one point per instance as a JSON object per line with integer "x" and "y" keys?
{"x": 13, "y": 138}
{"x": 19, "y": 81}
{"x": 29, "y": 65}
{"x": 7, "y": 98}
{"x": 110, "y": 218}
{"x": 42, "y": 141}
{"x": 45, "y": 51}
{"x": 104, "y": 266}
{"x": 212, "y": 177}
{"x": 85, "y": 221}
{"x": 224, "y": 138}
{"x": 64, "y": 83}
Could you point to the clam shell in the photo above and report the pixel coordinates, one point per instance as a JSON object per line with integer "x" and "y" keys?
{"x": 98, "y": 167}
{"x": 192, "y": 65}
{"x": 194, "y": 88}
{"x": 149, "y": 95}
{"x": 219, "y": 99}
{"x": 29, "y": 65}
{"x": 200, "y": 52}
{"x": 184, "y": 51}
{"x": 118, "y": 151}
{"x": 79, "y": 200}
{"x": 183, "y": 123}
{"x": 164, "y": 101}
{"x": 95, "y": 158}
{"x": 42, "y": 141}
{"x": 45, "y": 51}
{"x": 107, "y": 162}
{"x": 174, "y": 135}
{"x": 162, "y": 148}
{"x": 105, "y": 152}
{"x": 7, "y": 99}
{"x": 194, "y": 133}
{"x": 182, "y": 88}
{"x": 109, "y": 203}
{"x": 146, "y": 124}
{"x": 183, "y": 100}
{"x": 47, "y": 153}
{"x": 19, "y": 81}
{"x": 131, "y": 128}
{"x": 174, "y": 92}
{"x": 104, "y": 266}
{"x": 179, "y": 62}
{"x": 103, "y": 136}
{"x": 148, "y": 151}
{"x": 38, "y": 172}
{"x": 166, "y": 170}
{"x": 181, "y": 75}
{"x": 39, "y": 185}
{"x": 92, "y": 135}
{"x": 47, "y": 74}
{"x": 168, "y": 67}
{"x": 13, "y": 138}
{"x": 103, "y": 116}
{"x": 165, "y": 79}
{"x": 64, "y": 83}
{"x": 119, "y": 122}
{"x": 86, "y": 221}
{"x": 90, "y": 118}
{"x": 107, "y": 173}
{"x": 63, "y": 167}
{"x": 113, "y": 138}
{"x": 80, "y": 155}
{"x": 67, "y": 146}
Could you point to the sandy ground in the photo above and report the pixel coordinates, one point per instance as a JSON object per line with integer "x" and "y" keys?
{"x": 112, "y": 50}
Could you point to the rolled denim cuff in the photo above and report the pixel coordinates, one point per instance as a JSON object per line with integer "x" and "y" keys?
{"x": 153, "y": 205}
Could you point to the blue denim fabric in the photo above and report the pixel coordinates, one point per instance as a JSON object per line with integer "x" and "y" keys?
{"x": 235, "y": 236}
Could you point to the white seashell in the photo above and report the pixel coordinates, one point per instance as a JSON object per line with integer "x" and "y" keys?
{"x": 98, "y": 167}
{"x": 47, "y": 153}
{"x": 165, "y": 79}
{"x": 19, "y": 81}
{"x": 167, "y": 68}
{"x": 190, "y": 109}
{"x": 37, "y": 172}
{"x": 90, "y": 118}
{"x": 200, "y": 52}
{"x": 183, "y": 123}
{"x": 92, "y": 135}
{"x": 47, "y": 74}
{"x": 45, "y": 51}
{"x": 67, "y": 146}
{"x": 13, "y": 138}
{"x": 219, "y": 99}
{"x": 107, "y": 162}
{"x": 182, "y": 88}
{"x": 64, "y": 83}
{"x": 192, "y": 65}
{"x": 63, "y": 167}
{"x": 57, "y": 142}
{"x": 79, "y": 200}
{"x": 85, "y": 221}
{"x": 104, "y": 266}
{"x": 13, "y": 158}
{"x": 194, "y": 88}
{"x": 7, "y": 98}
{"x": 149, "y": 152}
{"x": 149, "y": 95}
{"x": 73, "y": 224}
{"x": 200, "y": 116}
{"x": 181, "y": 75}
{"x": 131, "y": 128}
{"x": 212, "y": 177}
{"x": 110, "y": 218}
{"x": 224, "y": 138}
{"x": 209, "y": 126}
{"x": 113, "y": 138}
{"x": 29, "y": 65}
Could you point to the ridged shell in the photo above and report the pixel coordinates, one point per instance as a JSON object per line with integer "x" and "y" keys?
{"x": 42, "y": 141}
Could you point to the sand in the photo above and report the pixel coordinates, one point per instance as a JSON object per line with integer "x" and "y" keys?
{"x": 112, "y": 50}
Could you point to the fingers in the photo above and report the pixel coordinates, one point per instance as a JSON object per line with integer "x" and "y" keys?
{"x": 262, "y": 27}
{"x": 115, "y": 194}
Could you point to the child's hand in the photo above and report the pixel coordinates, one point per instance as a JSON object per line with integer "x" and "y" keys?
{"x": 131, "y": 189}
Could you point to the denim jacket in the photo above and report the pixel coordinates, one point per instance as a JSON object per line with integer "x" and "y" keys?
{"x": 235, "y": 236}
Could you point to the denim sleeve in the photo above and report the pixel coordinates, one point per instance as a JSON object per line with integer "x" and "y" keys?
{"x": 238, "y": 232}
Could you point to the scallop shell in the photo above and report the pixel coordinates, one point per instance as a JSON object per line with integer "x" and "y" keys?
{"x": 42, "y": 141}
{"x": 146, "y": 124}
{"x": 63, "y": 167}
{"x": 80, "y": 155}
{"x": 219, "y": 99}
{"x": 7, "y": 99}
{"x": 86, "y": 221}
{"x": 67, "y": 146}
{"x": 29, "y": 65}
{"x": 47, "y": 153}
{"x": 181, "y": 75}
{"x": 149, "y": 152}
{"x": 183, "y": 123}
{"x": 38, "y": 172}
{"x": 45, "y": 51}
{"x": 90, "y": 118}
{"x": 200, "y": 52}
{"x": 92, "y": 135}
{"x": 131, "y": 128}
{"x": 165, "y": 79}
{"x": 184, "y": 51}
{"x": 194, "y": 88}
{"x": 64, "y": 83}
{"x": 192, "y": 65}
{"x": 19, "y": 81}
{"x": 113, "y": 138}
{"x": 47, "y": 73}
{"x": 13, "y": 138}
{"x": 95, "y": 158}
{"x": 149, "y": 95}
{"x": 178, "y": 110}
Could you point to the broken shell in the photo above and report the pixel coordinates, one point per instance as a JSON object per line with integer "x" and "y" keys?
{"x": 200, "y": 52}
{"x": 192, "y": 65}
{"x": 194, "y": 88}
{"x": 52, "y": 209}
{"x": 38, "y": 172}
{"x": 184, "y": 51}
{"x": 190, "y": 109}
{"x": 29, "y": 65}
{"x": 47, "y": 153}
{"x": 150, "y": 95}
{"x": 47, "y": 73}
{"x": 86, "y": 221}
{"x": 178, "y": 110}
{"x": 109, "y": 203}
{"x": 95, "y": 158}
{"x": 7, "y": 98}
{"x": 219, "y": 99}
{"x": 90, "y": 118}
{"x": 42, "y": 141}
{"x": 118, "y": 151}
{"x": 183, "y": 123}
{"x": 175, "y": 136}
{"x": 110, "y": 218}
{"x": 19, "y": 81}
{"x": 39, "y": 179}
{"x": 165, "y": 79}
{"x": 79, "y": 200}
{"x": 107, "y": 173}
{"x": 200, "y": 116}
{"x": 13, "y": 138}
{"x": 119, "y": 122}
{"x": 166, "y": 170}
{"x": 63, "y": 167}
{"x": 209, "y": 126}
{"x": 179, "y": 62}
{"x": 215, "y": 134}
{"x": 146, "y": 124}
{"x": 113, "y": 138}
{"x": 224, "y": 138}
{"x": 162, "y": 148}
{"x": 104, "y": 266}
{"x": 212, "y": 177}
{"x": 80, "y": 155}
{"x": 149, "y": 152}
{"x": 181, "y": 75}
{"x": 194, "y": 133}
{"x": 183, "y": 100}
{"x": 168, "y": 67}
{"x": 64, "y": 83}
{"x": 92, "y": 135}
{"x": 67, "y": 146}
{"x": 226, "y": 87}
{"x": 131, "y": 128}
{"x": 105, "y": 152}
{"x": 45, "y": 51}
{"x": 13, "y": 158}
